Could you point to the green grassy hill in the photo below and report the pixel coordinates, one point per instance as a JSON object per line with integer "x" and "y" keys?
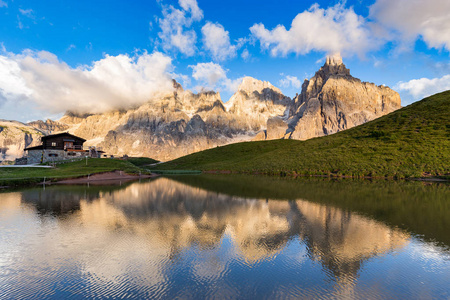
{"x": 411, "y": 142}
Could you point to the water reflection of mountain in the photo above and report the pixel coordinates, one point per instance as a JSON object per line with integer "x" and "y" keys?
{"x": 173, "y": 216}
{"x": 418, "y": 207}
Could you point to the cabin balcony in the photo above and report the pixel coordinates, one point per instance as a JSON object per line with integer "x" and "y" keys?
{"x": 73, "y": 148}
{"x": 82, "y": 148}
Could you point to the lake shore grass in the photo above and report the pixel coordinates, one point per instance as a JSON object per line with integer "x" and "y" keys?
{"x": 11, "y": 177}
{"x": 412, "y": 142}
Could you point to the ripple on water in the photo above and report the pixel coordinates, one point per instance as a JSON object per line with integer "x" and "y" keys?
{"x": 191, "y": 243}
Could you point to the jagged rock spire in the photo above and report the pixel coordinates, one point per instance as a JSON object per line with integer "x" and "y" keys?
{"x": 333, "y": 66}
{"x": 334, "y": 59}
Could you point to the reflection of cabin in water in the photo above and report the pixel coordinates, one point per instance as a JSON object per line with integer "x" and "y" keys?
{"x": 61, "y": 146}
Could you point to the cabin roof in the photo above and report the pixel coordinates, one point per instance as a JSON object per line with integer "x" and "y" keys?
{"x": 66, "y": 134}
{"x": 40, "y": 147}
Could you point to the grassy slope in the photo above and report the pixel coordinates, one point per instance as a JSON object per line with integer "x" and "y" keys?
{"x": 19, "y": 176}
{"x": 410, "y": 142}
{"x": 142, "y": 161}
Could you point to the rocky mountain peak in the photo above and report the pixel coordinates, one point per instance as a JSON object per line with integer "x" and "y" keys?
{"x": 177, "y": 86}
{"x": 334, "y": 60}
{"x": 49, "y": 126}
{"x": 333, "y": 66}
{"x": 250, "y": 85}
{"x": 333, "y": 100}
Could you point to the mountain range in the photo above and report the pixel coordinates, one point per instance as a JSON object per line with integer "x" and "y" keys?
{"x": 182, "y": 122}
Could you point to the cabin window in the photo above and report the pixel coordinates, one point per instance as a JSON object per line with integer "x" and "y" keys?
{"x": 53, "y": 155}
{"x": 71, "y": 154}
{"x": 53, "y": 144}
{"x": 68, "y": 145}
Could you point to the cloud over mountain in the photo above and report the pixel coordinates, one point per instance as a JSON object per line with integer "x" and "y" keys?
{"x": 409, "y": 20}
{"x": 113, "y": 82}
{"x": 213, "y": 76}
{"x": 424, "y": 87}
{"x": 331, "y": 30}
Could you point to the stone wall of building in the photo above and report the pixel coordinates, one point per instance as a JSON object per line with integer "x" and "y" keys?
{"x": 34, "y": 156}
{"x": 50, "y": 155}
{"x": 21, "y": 161}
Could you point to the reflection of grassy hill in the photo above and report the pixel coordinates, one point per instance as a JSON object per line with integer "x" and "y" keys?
{"x": 410, "y": 142}
{"x": 418, "y": 207}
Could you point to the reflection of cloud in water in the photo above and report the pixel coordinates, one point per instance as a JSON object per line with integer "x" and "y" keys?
{"x": 136, "y": 235}
{"x": 13, "y": 225}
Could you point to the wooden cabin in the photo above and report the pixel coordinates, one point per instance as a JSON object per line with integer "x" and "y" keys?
{"x": 63, "y": 141}
{"x": 61, "y": 146}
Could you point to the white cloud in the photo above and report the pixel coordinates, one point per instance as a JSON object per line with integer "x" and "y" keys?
{"x": 232, "y": 85}
{"x": 12, "y": 84}
{"x": 217, "y": 41}
{"x": 174, "y": 27}
{"x": 173, "y": 34}
{"x": 113, "y": 82}
{"x": 289, "y": 81}
{"x": 212, "y": 76}
{"x": 192, "y": 6}
{"x": 424, "y": 87}
{"x": 71, "y": 46}
{"x": 184, "y": 41}
{"x": 410, "y": 19}
{"x": 19, "y": 23}
{"x": 27, "y": 12}
{"x": 245, "y": 55}
{"x": 208, "y": 73}
{"x": 332, "y": 30}
{"x": 441, "y": 67}
{"x": 3, "y": 3}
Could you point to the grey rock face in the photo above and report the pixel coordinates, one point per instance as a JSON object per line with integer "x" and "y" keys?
{"x": 255, "y": 102}
{"x": 333, "y": 101}
{"x": 49, "y": 126}
{"x": 16, "y": 136}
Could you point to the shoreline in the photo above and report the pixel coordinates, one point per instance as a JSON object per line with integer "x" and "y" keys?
{"x": 104, "y": 177}
{"x": 101, "y": 178}
{"x": 295, "y": 175}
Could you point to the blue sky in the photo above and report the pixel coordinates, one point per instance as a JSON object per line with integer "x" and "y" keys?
{"x": 97, "y": 55}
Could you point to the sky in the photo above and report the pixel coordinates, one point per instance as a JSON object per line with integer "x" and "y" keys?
{"x": 94, "y": 56}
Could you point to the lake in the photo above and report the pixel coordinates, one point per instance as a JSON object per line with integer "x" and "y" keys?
{"x": 227, "y": 236}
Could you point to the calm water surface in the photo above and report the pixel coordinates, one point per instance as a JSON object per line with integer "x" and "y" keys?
{"x": 234, "y": 237}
